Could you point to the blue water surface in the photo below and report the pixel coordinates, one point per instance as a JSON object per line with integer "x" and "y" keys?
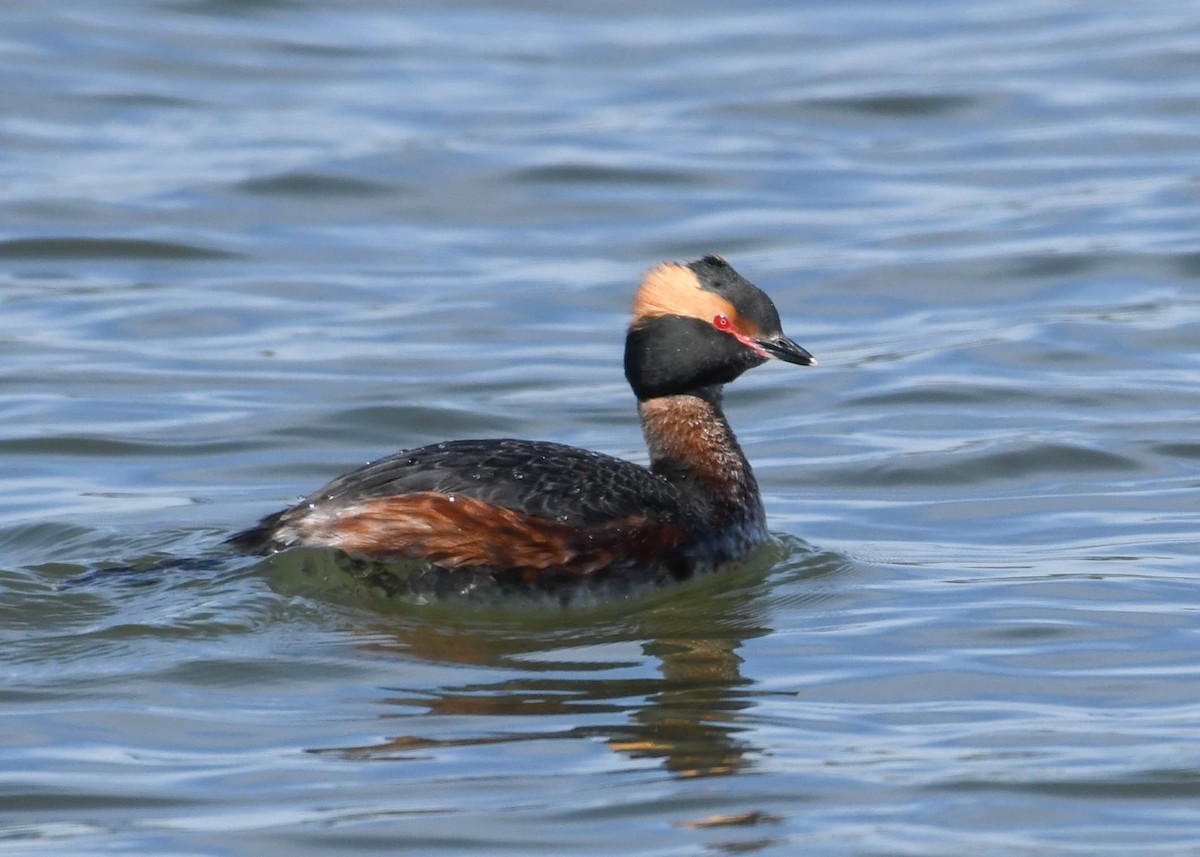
{"x": 245, "y": 246}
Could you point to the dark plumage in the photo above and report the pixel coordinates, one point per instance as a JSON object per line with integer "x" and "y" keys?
{"x": 534, "y": 509}
{"x": 554, "y": 481}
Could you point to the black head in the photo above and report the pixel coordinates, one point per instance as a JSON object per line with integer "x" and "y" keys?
{"x": 701, "y": 324}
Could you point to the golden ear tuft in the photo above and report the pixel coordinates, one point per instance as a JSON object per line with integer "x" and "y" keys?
{"x": 673, "y": 289}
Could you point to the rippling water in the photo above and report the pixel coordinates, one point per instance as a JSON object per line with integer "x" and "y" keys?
{"x": 245, "y": 246}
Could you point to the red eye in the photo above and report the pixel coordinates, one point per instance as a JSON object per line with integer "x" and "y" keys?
{"x": 721, "y": 322}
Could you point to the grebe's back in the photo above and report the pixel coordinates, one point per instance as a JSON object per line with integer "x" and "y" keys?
{"x": 490, "y": 504}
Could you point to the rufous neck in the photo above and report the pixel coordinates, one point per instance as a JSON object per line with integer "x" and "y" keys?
{"x": 692, "y": 446}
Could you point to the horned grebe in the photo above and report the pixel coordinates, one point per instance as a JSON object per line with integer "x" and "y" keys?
{"x": 542, "y": 513}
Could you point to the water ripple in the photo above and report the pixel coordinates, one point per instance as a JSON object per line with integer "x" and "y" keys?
{"x": 106, "y": 248}
{"x": 249, "y": 245}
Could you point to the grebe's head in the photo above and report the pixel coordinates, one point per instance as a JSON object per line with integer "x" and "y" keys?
{"x": 699, "y": 325}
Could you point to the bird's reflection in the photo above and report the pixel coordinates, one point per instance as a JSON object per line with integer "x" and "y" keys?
{"x": 656, "y": 677}
{"x": 686, "y": 716}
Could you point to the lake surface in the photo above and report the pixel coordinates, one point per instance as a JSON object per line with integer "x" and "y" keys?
{"x": 245, "y": 246}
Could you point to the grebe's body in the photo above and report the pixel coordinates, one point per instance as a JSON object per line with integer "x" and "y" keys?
{"x": 537, "y": 512}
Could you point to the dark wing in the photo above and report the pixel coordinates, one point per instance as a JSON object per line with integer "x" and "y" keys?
{"x": 549, "y": 480}
{"x": 501, "y": 504}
